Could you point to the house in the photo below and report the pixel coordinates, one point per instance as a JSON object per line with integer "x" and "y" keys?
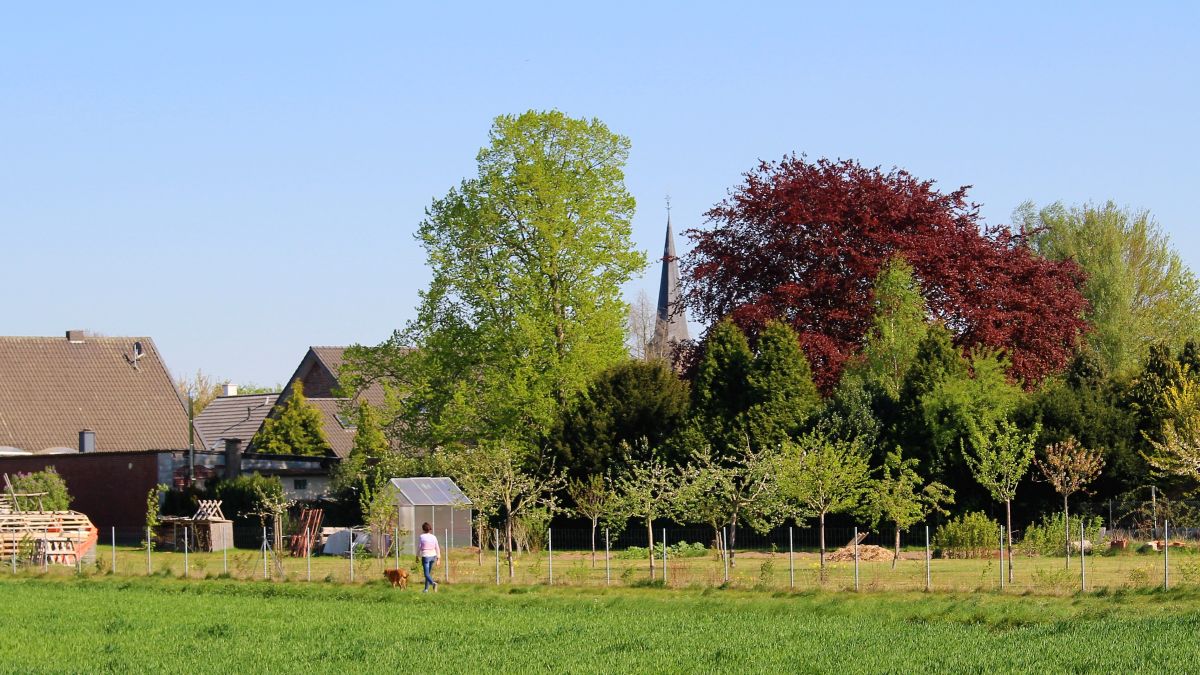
{"x": 318, "y": 375}
{"x": 233, "y": 417}
{"x": 102, "y": 410}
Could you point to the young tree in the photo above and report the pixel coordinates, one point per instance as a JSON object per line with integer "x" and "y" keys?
{"x": 1178, "y": 453}
{"x": 1139, "y": 290}
{"x": 524, "y": 306}
{"x": 295, "y": 430}
{"x": 804, "y": 240}
{"x": 514, "y": 480}
{"x": 999, "y": 461}
{"x": 1069, "y": 467}
{"x": 648, "y": 490}
{"x": 824, "y": 475}
{"x": 899, "y": 496}
{"x": 595, "y": 500}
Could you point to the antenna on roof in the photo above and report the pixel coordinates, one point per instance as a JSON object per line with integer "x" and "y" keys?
{"x": 138, "y": 353}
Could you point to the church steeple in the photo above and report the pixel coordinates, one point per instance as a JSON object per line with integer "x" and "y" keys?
{"x": 670, "y": 324}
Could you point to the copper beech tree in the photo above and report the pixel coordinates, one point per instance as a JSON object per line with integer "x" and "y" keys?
{"x": 803, "y": 240}
{"x": 1069, "y": 467}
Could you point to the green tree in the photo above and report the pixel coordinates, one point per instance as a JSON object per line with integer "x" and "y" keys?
{"x": 649, "y": 490}
{"x": 897, "y": 327}
{"x": 901, "y": 497}
{"x": 720, "y": 395}
{"x": 1069, "y": 467}
{"x": 595, "y": 500}
{"x": 999, "y": 460}
{"x": 524, "y": 306}
{"x": 780, "y": 386}
{"x": 824, "y": 475}
{"x": 1140, "y": 291}
{"x": 249, "y": 496}
{"x": 294, "y": 430}
{"x": 626, "y": 402}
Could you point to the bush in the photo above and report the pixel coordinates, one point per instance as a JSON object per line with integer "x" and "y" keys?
{"x": 1046, "y": 538}
{"x": 971, "y": 535}
{"x": 56, "y": 498}
{"x": 678, "y": 550}
{"x": 240, "y": 496}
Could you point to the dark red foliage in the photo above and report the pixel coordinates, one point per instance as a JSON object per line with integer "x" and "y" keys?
{"x": 804, "y": 240}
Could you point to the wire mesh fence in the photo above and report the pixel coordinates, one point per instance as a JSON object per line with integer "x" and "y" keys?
{"x": 780, "y": 560}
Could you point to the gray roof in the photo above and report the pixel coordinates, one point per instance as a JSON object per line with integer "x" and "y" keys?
{"x": 670, "y": 324}
{"x": 429, "y": 492}
{"x": 233, "y": 417}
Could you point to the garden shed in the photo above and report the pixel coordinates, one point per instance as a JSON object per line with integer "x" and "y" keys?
{"x": 436, "y": 501}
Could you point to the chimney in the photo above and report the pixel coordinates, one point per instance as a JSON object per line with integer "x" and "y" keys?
{"x": 75, "y": 336}
{"x": 229, "y": 389}
{"x": 233, "y": 457}
{"x": 87, "y": 441}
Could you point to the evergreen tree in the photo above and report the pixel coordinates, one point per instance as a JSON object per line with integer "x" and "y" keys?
{"x": 720, "y": 395}
{"x": 295, "y": 430}
{"x": 780, "y": 385}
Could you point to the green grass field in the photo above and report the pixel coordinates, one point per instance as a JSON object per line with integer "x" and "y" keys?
{"x": 110, "y": 624}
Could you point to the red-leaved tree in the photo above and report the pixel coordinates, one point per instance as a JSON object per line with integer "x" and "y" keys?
{"x": 804, "y": 240}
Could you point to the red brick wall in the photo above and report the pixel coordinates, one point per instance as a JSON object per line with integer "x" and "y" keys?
{"x": 109, "y": 488}
{"x": 318, "y": 383}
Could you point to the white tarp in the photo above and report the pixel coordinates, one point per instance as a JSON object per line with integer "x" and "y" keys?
{"x": 338, "y": 542}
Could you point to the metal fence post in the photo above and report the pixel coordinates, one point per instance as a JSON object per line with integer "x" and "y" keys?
{"x": 149, "y": 545}
{"x": 725, "y": 548}
{"x": 185, "y": 552}
{"x": 224, "y": 553}
{"x": 928, "y": 578}
{"x": 855, "y": 558}
{"x": 1001, "y": 557}
{"x": 1082, "y": 560}
{"x": 664, "y": 556}
{"x": 1166, "y": 554}
{"x": 78, "y": 558}
{"x": 550, "y": 550}
{"x": 791, "y": 560}
{"x": 607, "y": 568}
{"x": 264, "y": 552}
{"x": 496, "y": 534}
{"x": 446, "y": 562}
{"x": 308, "y": 557}
{"x": 351, "y": 555}
{"x": 396, "y": 543}
{"x": 114, "y": 550}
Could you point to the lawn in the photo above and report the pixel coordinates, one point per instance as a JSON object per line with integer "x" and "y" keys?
{"x": 107, "y": 624}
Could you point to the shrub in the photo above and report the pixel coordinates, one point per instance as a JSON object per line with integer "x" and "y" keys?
{"x": 971, "y": 535}
{"x": 1046, "y": 538}
{"x": 56, "y": 498}
{"x": 681, "y": 549}
{"x": 240, "y": 496}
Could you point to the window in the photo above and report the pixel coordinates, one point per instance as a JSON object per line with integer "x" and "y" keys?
{"x": 300, "y": 484}
{"x": 346, "y": 422}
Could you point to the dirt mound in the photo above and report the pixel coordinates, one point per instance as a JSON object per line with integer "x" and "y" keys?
{"x": 866, "y": 553}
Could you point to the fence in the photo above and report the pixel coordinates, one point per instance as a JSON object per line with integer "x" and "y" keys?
{"x": 783, "y": 559}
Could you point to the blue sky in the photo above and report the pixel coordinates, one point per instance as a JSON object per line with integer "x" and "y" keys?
{"x": 242, "y": 182}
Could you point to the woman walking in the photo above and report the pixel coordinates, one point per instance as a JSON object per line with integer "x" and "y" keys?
{"x": 429, "y": 552}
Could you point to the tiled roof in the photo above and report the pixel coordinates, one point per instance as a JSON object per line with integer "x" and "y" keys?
{"x": 339, "y": 437}
{"x": 230, "y": 417}
{"x": 52, "y": 388}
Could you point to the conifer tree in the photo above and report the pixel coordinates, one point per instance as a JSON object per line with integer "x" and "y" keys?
{"x": 296, "y": 430}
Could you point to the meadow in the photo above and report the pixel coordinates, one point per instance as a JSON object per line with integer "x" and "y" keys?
{"x": 114, "y": 624}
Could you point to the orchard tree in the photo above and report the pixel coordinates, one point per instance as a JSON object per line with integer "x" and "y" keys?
{"x": 1139, "y": 290}
{"x": 999, "y": 461}
{"x": 804, "y": 240}
{"x": 524, "y": 306}
{"x": 899, "y": 496}
{"x": 823, "y": 475}
{"x": 1069, "y": 467}
{"x": 295, "y": 428}
{"x": 596, "y": 500}
{"x": 649, "y": 490}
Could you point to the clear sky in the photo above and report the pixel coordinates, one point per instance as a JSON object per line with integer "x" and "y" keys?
{"x": 241, "y": 182}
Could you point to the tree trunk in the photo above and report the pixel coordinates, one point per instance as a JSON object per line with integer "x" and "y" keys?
{"x": 650, "y": 544}
{"x": 896, "y": 555}
{"x": 593, "y": 543}
{"x": 1067, "y": 533}
{"x": 1008, "y": 536}
{"x": 822, "y": 542}
{"x": 508, "y": 545}
{"x": 732, "y": 539}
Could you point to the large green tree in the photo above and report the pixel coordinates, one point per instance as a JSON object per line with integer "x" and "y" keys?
{"x": 294, "y": 430}
{"x": 628, "y": 402}
{"x": 524, "y": 306}
{"x": 1139, "y": 289}
{"x": 780, "y": 386}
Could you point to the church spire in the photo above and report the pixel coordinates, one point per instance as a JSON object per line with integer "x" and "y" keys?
{"x": 670, "y": 323}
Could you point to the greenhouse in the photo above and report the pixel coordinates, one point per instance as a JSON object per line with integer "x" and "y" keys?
{"x": 436, "y": 501}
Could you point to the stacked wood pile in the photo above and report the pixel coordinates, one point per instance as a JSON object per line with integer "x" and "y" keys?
{"x": 309, "y": 536}
{"x": 44, "y": 537}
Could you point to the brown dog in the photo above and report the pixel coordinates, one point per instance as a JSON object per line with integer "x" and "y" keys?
{"x": 398, "y": 577}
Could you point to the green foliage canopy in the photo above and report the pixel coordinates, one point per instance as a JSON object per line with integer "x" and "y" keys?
{"x": 295, "y": 430}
